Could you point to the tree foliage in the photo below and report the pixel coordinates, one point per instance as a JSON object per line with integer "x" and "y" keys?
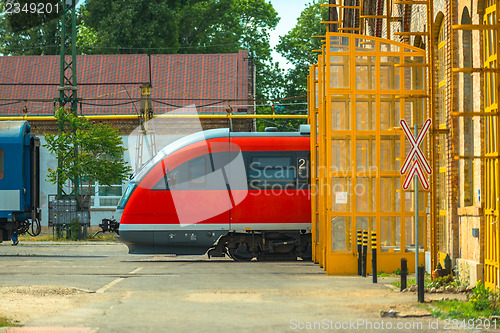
{"x": 100, "y": 152}
{"x": 297, "y": 45}
{"x": 188, "y": 26}
{"x": 132, "y": 26}
{"x": 28, "y": 34}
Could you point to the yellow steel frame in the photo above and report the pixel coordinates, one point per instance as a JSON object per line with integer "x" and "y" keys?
{"x": 313, "y": 100}
{"x": 441, "y": 156}
{"x": 365, "y": 85}
{"x": 491, "y": 148}
{"x": 321, "y": 159}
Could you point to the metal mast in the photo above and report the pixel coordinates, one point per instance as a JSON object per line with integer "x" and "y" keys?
{"x": 68, "y": 93}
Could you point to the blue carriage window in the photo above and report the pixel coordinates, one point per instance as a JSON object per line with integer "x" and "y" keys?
{"x": 1, "y": 164}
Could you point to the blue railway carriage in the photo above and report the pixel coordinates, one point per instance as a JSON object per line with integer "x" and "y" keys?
{"x": 19, "y": 179}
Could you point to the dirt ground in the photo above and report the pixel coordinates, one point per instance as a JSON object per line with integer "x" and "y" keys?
{"x": 22, "y": 304}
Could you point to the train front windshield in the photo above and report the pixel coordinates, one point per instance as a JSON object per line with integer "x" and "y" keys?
{"x": 128, "y": 192}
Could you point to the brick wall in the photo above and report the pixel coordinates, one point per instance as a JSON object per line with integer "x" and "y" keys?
{"x": 174, "y": 126}
{"x": 471, "y": 248}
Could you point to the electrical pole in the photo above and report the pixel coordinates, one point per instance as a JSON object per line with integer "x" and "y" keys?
{"x": 68, "y": 93}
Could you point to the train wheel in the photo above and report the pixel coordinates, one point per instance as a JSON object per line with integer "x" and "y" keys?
{"x": 240, "y": 253}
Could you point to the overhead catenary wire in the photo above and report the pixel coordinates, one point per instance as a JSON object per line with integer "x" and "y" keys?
{"x": 221, "y": 100}
{"x": 159, "y": 100}
{"x": 97, "y": 104}
{"x": 79, "y": 83}
{"x": 11, "y": 103}
{"x": 130, "y": 97}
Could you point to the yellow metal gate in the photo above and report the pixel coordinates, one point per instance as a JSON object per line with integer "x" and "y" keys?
{"x": 365, "y": 85}
{"x": 491, "y": 145}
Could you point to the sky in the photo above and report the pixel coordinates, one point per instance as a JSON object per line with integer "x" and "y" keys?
{"x": 288, "y": 11}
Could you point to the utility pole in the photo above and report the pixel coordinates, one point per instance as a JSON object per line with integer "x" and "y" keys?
{"x": 146, "y": 109}
{"x": 68, "y": 93}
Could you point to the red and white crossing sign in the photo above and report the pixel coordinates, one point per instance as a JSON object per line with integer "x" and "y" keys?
{"x": 420, "y": 161}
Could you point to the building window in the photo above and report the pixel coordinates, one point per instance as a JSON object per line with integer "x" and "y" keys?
{"x": 103, "y": 196}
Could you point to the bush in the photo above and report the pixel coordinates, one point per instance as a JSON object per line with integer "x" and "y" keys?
{"x": 483, "y": 298}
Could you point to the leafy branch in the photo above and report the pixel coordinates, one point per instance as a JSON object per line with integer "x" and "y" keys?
{"x": 100, "y": 152}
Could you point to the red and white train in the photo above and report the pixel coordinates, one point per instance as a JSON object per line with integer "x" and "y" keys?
{"x": 246, "y": 195}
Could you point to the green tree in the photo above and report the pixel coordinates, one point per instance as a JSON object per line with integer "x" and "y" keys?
{"x": 132, "y": 26}
{"x": 245, "y": 24}
{"x": 17, "y": 39}
{"x": 183, "y": 26}
{"x": 100, "y": 153}
{"x": 297, "y": 45}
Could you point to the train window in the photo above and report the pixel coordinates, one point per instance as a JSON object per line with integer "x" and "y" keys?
{"x": 188, "y": 175}
{"x": 272, "y": 172}
{"x": 166, "y": 178}
{"x": 198, "y": 171}
{"x": 1, "y": 164}
{"x": 272, "y": 161}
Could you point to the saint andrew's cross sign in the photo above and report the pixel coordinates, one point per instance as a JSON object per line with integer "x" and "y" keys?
{"x": 420, "y": 164}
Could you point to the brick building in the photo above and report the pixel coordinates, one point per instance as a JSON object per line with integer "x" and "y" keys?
{"x": 460, "y": 172}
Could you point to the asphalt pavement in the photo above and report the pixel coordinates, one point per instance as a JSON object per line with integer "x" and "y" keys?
{"x": 99, "y": 287}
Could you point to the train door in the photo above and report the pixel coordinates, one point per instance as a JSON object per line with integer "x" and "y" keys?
{"x": 278, "y": 192}
{"x": 228, "y": 161}
{"x": 199, "y": 187}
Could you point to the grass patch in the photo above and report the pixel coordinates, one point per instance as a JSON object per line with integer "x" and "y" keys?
{"x": 102, "y": 237}
{"x": 4, "y": 322}
{"x": 483, "y": 302}
{"x": 430, "y": 283}
{"x": 106, "y": 237}
{"x": 459, "y": 310}
{"x": 409, "y": 282}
